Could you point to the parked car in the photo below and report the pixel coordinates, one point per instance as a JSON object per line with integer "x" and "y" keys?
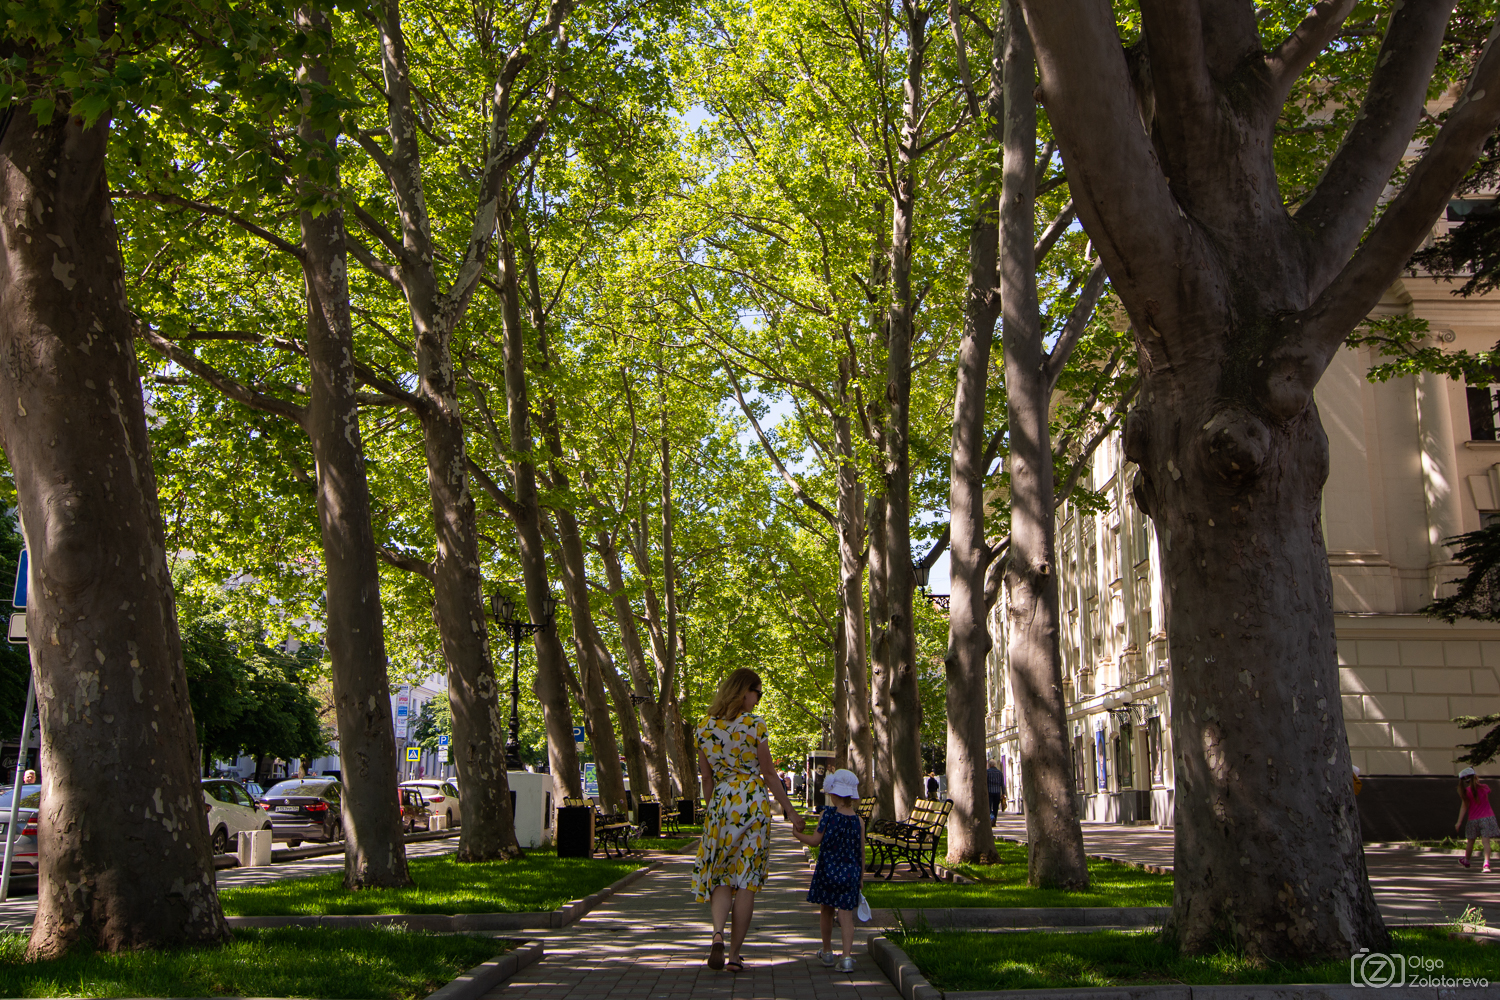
{"x": 231, "y": 811}
{"x": 24, "y": 857}
{"x": 414, "y": 809}
{"x": 256, "y": 790}
{"x": 442, "y": 795}
{"x": 305, "y": 809}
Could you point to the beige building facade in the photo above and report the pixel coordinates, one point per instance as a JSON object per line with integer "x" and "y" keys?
{"x": 1413, "y": 461}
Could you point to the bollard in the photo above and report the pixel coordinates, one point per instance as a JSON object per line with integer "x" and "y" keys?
{"x": 437, "y": 822}
{"x": 254, "y": 848}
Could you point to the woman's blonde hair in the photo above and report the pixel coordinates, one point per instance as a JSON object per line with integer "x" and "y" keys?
{"x": 730, "y": 701}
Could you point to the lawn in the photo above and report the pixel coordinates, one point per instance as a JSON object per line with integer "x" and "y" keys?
{"x": 668, "y": 844}
{"x": 1004, "y": 885}
{"x": 1030, "y": 960}
{"x": 539, "y": 882}
{"x": 332, "y": 963}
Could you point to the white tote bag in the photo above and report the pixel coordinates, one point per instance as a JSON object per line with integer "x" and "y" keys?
{"x": 863, "y": 913}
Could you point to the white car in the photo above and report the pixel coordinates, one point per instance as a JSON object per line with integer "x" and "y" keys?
{"x": 231, "y": 811}
{"x": 442, "y": 795}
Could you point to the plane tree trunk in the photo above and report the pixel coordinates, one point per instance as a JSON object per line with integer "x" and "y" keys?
{"x": 1054, "y": 840}
{"x": 374, "y": 840}
{"x": 1238, "y": 308}
{"x": 970, "y": 836}
{"x": 124, "y": 846}
{"x": 905, "y": 719}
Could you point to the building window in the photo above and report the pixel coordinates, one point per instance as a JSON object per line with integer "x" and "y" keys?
{"x": 1101, "y": 761}
{"x": 1080, "y": 771}
{"x": 1153, "y": 749}
{"x": 1482, "y": 406}
{"x": 1125, "y": 757}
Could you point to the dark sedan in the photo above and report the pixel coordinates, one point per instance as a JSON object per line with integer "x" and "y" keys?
{"x": 305, "y": 809}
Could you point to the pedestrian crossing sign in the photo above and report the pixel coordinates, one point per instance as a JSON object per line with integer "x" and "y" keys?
{"x": 413, "y": 755}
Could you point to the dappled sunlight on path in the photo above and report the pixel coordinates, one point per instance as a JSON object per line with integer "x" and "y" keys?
{"x": 649, "y": 942}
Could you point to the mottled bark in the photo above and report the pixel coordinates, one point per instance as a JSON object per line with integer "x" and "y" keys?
{"x": 551, "y": 663}
{"x": 594, "y": 660}
{"x": 970, "y": 836}
{"x": 880, "y": 669}
{"x": 905, "y": 721}
{"x": 479, "y": 725}
{"x": 124, "y": 848}
{"x": 1054, "y": 841}
{"x": 839, "y": 720}
{"x": 653, "y": 729}
{"x": 851, "y": 529}
{"x": 374, "y": 840}
{"x": 1238, "y": 308}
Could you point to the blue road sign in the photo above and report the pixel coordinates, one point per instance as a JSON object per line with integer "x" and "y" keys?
{"x": 442, "y": 741}
{"x": 413, "y": 755}
{"x": 577, "y": 734}
{"x": 19, "y": 600}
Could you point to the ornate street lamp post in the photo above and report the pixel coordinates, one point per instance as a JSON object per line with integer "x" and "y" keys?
{"x": 503, "y": 610}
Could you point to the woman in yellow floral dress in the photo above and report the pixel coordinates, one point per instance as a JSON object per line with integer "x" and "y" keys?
{"x": 735, "y": 762}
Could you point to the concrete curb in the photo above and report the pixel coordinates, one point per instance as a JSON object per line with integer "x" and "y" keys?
{"x": 449, "y": 923}
{"x": 1317, "y": 991}
{"x": 985, "y": 917}
{"x": 901, "y": 971}
{"x": 484, "y": 977}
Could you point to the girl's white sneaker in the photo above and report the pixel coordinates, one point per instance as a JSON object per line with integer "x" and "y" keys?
{"x": 827, "y": 958}
{"x": 846, "y": 964}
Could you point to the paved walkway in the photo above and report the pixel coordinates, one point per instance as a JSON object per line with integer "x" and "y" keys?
{"x": 649, "y": 942}
{"x": 1410, "y": 886}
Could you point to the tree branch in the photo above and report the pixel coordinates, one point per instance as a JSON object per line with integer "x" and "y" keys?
{"x": 1297, "y": 51}
{"x": 234, "y": 389}
{"x": 1336, "y": 213}
{"x": 492, "y": 489}
{"x": 1314, "y": 336}
{"x": 1054, "y": 231}
{"x": 205, "y": 208}
{"x": 765, "y": 444}
{"x": 425, "y": 570}
{"x": 1078, "y": 321}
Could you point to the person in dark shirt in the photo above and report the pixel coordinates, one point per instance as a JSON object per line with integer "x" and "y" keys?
{"x": 995, "y": 778}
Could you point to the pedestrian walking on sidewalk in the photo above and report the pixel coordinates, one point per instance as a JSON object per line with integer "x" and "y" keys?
{"x": 995, "y": 779}
{"x": 735, "y": 762}
{"x": 840, "y": 871}
{"x": 1474, "y": 803}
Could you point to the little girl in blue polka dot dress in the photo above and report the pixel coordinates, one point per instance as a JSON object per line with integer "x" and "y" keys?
{"x": 840, "y": 872}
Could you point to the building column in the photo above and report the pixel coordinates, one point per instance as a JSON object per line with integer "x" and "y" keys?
{"x": 1439, "y": 477}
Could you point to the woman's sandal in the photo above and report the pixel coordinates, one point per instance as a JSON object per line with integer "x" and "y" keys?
{"x": 716, "y": 953}
{"x": 735, "y": 965}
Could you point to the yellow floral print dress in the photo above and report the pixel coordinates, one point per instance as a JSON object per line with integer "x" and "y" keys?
{"x": 737, "y": 826}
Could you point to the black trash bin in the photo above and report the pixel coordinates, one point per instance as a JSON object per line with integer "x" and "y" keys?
{"x": 685, "y": 812}
{"x": 648, "y": 818}
{"x": 575, "y": 832}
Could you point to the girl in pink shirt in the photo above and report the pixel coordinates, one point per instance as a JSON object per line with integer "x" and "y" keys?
{"x": 1474, "y": 802}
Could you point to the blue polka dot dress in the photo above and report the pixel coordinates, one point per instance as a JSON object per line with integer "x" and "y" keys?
{"x": 840, "y": 870}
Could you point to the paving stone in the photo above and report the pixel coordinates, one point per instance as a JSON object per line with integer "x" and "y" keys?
{"x": 649, "y": 942}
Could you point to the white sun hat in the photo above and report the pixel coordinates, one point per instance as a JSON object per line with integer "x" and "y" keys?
{"x": 842, "y": 782}
{"x": 1467, "y": 772}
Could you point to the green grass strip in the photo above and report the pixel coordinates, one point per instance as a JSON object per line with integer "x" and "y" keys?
{"x": 1004, "y": 885}
{"x": 329, "y": 963}
{"x": 539, "y": 882}
{"x": 960, "y": 960}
